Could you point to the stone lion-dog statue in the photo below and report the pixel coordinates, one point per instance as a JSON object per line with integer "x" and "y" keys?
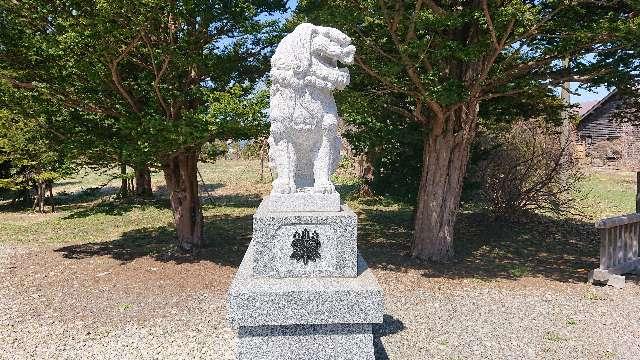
{"x": 304, "y": 147}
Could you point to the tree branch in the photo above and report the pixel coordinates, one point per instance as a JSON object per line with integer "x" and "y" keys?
{"x": 115, "y": 74}
{"x": 65, "y": 99}
{"x": 375, "y": 47}
{"x": 507, "y": 76}
{"x": 392, "y": 27}
{"x": 435, "y": 8}
{"x": 376, "y": 75}
{"x": 411, "y": 33}
{"x": 156, "y": 85}
{"x": 492, "y": 29}
{"x": 506, "y": 93}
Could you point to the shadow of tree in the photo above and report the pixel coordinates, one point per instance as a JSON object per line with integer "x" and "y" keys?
{"x": 7, "y": 206}
{"x": 204, "y": 189}
{"x": 559, "y": 249}
{"x": 68, "y": 182}
{"x": 389, "y": 326}
{"x": 210, "y": 187}
{"x": 131, "y": 245}
{"x": 227, "y": 237}
{"x": 84, "y": 195}
{"x": 234, "y": 201}
{"x": 118, "y": 207}
{"x": 64, "y": 200}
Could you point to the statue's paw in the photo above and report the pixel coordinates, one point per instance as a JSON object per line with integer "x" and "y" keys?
{"x": 282, "y": 188}
{"x": 324, "y": 188}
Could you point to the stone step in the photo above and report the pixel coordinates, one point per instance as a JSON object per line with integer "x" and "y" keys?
{"x": 258, "y": 301}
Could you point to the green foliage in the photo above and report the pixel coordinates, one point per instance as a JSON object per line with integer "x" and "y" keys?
{"x": 234, "y": 114}
{"x": 254, "y": 149}
{"x": 145, "y": 79}
{"x": 31, "y": 151}
{"x": 418, "y": 61}
{"x": 388, "y": 142}
{"x": 211, "y": 151}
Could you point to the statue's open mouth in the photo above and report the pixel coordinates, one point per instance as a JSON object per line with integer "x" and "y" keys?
{"x": 327, "y": 61}
{"x": 346, "y": 58}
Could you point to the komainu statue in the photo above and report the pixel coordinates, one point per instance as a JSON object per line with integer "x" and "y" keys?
{"x": 304, "y": 144}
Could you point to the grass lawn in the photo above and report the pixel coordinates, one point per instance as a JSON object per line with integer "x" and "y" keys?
{"x": 91, "y": 222}
{"x": 608, "y": 193}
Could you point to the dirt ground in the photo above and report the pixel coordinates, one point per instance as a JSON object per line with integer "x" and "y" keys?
{"x": 59, "y": 306}
{"x": 99, "y": 280}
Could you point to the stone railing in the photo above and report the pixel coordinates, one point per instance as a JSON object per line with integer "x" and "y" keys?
{"x": 619, "y": 238}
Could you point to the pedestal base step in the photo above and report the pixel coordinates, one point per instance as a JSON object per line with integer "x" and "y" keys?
{"x": 304, "y": 318}
{"x": 255, "y": 301}
{"x": 303, "y": 201}
{"x": 306, "y": 342}
{"x": 600, "y": 276}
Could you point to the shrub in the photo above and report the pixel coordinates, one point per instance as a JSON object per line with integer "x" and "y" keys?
{"x": 254, "y": 149}
{"x": 528, "y": 169}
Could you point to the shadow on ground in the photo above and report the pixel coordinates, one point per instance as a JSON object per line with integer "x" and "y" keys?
{"x": 73, "y": 200}
{"x": 64, "y": 200}
{"x": 227, "y": 236}
{"x": 558, "y": 249}
{"x": 389, "y": 326}
{"x": 232, "y": 201}
{"x": 101, "y": 200}
{"x": 118, "y": 207}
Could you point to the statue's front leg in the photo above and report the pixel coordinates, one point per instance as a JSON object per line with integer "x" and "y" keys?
{"x": 283, "y": 158}
{"x": 325, "y": 156}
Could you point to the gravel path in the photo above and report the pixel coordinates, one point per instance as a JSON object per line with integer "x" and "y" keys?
{"x": 100, "y": 308}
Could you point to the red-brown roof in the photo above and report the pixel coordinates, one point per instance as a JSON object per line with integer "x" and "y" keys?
{"x": 586, "y": 106}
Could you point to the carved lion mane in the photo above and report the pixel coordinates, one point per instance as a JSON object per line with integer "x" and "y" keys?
{"x": 304, "y": 146}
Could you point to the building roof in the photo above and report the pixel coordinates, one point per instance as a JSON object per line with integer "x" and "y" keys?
{"x": 586, "y": 108}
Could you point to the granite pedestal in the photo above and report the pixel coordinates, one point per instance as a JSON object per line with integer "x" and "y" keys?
{"x": 273, "y": 232}
{"x": 283, "y": 308}
{"x": 304, "y": 200}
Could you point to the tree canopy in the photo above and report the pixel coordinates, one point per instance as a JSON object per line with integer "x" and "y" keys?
{"x": 445, "y": 63}
{"x": 146, "y": 72}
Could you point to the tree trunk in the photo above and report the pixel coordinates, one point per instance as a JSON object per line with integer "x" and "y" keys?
{"x": 446, "y": 151}
{"x": 638, "y": 191}
{"x": 181, "y": 175}
{"x": 124, "y": 186}
{"x": 143, "y": 181}
{"x": 52, "y": 203}
{"x": 364, "y": 171}
{"x": 40, "y": 195}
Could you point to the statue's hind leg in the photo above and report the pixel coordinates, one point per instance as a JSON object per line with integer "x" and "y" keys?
{"x": 322, "y": 164}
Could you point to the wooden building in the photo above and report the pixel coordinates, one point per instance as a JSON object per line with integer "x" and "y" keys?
{"x": 597, "y": 123}
{"x": 601, "y": 133}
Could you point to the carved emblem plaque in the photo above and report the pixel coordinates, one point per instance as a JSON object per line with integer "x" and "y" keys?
{"x": 306, "y": 246}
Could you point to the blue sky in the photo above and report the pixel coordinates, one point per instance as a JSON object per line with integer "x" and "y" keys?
{"x": 584, "y": 95}
{"x": 292, "y": 4}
